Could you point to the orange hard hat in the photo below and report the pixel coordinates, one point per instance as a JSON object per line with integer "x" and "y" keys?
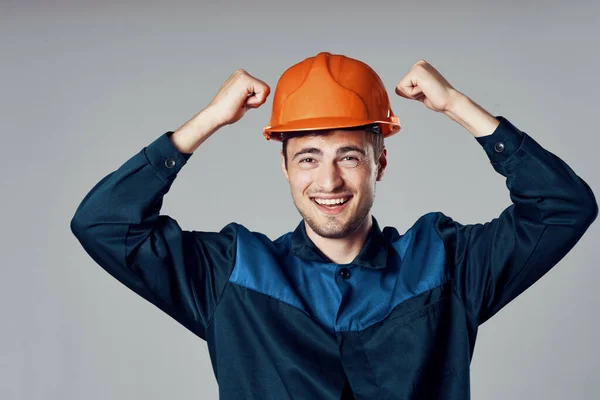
{"x": 330, "y": 91}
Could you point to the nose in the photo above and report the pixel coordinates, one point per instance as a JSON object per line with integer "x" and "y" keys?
{"x": 329, "y": 177}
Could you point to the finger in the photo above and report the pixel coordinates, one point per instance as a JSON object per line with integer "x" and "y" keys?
{"x": 253, "y": 101}
{"x": 408, "y": 86}
{"x": 420, "y": 97}
{"x": 408, "y": 89}
{"x": 260, "y": 92}
{"x": 400, "y": 93}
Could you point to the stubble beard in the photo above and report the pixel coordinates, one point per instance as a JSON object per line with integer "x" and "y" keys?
{"x": 332, "y": 228}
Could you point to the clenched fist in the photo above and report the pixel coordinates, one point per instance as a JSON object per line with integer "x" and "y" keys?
{"x": 425, "y": 84}
{"x": 240, "y": 92}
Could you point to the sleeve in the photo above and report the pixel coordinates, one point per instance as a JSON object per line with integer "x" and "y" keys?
{"x": 119, "y": 225}
{"x": 552, "y": 208}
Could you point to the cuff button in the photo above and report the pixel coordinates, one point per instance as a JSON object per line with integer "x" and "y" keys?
{"x": 170, "y": 163}
{"x": 499, "y": 147}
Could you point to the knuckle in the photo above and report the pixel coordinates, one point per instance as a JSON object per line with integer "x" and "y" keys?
{"x": 420, "y": 64}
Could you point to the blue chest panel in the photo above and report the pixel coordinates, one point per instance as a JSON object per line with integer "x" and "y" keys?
{"x": 415, "y": 264}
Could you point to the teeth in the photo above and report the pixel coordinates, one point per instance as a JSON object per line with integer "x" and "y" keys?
{"x": 330, "y": 201}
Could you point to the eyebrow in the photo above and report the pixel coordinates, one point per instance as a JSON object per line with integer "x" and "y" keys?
{"x": 341, "y": 150}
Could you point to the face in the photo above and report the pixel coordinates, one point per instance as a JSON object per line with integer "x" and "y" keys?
{"x": 332, "y": 179}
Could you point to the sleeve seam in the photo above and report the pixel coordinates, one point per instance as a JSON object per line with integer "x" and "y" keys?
{"x": 528, "y": 259}
{"x": 227, "y": 282}
{"x": 454, "y": 289}
{"x": 517, "y": 275}
{"x": 189, "y": 322}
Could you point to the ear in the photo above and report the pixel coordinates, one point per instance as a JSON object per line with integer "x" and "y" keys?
{"x": 283, "y": 167}
{"x": 382, "y": 164}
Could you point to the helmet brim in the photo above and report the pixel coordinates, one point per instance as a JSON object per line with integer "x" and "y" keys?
{"x": 314, "y": 124}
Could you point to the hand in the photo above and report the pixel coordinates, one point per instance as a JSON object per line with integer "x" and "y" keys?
{"x": 240, "y": 92}
{"x": 425, "y": 84}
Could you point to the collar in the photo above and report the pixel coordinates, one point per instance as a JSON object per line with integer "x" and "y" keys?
{"x": 372, "y": 255}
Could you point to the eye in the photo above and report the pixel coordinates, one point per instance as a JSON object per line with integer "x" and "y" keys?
{"x": 349, "y": 161}
{"x": 307, "y": 163}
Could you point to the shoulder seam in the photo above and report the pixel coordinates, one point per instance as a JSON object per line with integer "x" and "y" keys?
{"x": 208, "y": 322}
{"x": 435, "y": 227}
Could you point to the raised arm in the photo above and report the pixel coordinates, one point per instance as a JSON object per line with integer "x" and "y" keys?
{"x": 552, "y": 207}
{"x": 119, "y": 224}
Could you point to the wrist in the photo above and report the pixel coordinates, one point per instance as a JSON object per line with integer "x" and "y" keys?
{"x": 194, "y": 132}
{"x": 470, "y": 115}
{"x": 456, "y": 101}
{"x": 208, "y": 118}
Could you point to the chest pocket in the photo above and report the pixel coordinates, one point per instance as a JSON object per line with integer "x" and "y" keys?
{"x": 430, "y": 303}
{"x": 413, "y": 347}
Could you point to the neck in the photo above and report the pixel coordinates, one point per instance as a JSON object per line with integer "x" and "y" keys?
{"x": 343, "y": 250}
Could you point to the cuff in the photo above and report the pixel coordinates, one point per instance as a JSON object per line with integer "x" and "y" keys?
{"x": 503, "y": 142}
{"x": 165, "y": 157}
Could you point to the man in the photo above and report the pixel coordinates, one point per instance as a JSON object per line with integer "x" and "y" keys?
{"x": 338, "y": 308}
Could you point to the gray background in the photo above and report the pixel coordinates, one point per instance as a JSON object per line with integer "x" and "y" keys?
{"x": 85, "y": 85}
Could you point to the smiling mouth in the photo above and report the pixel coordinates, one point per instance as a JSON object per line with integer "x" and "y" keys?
{"x": 332, "y": 202}
{"x": 332, "y": 206}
